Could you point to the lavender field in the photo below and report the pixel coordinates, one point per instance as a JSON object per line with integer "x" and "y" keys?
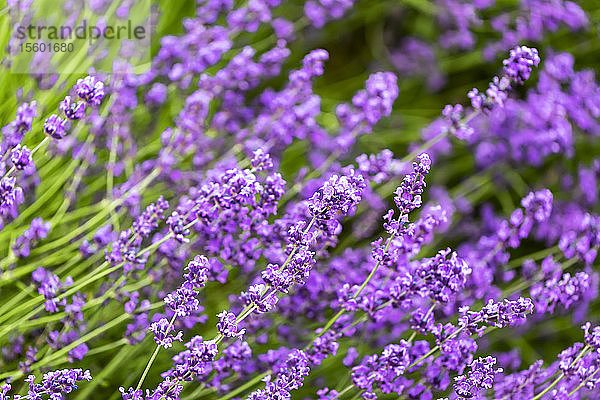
{"x": 276, "y": 200}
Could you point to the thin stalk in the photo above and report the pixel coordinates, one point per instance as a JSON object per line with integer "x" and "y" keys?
{"x": 584, "y": 382}
{"x": 153, "y": 357}
{"x": 583, "y": 352}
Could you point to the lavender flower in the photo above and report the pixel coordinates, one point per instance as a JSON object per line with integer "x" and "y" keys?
{"x": 227, "y": 325}
{"x": 197, "y": 273}
{"x": 182, "y": 301}
{"x": 517, "y": 69}
{"x": 55, "y": 384}
{"x": 11, "y": 195}
{"x": 21, "y": 157}
{"x": 564, "y": 291}
{"x": 37, "y": 231}
{"x": 408, "y": 194}
{"x": 163, "y": 336}
{"x": 443, "y": 275}
{"x": 177, "y": 224}
{"x": 481, "y": 377}
{"x": 90, "y": 90}
{"x": 260, "y": 302}
{"x": 50, "y": 287}
{"x": 520, "y": 63}
{"x": 72, "y": 110}
{"x": 392, "y": 363}
{"x": 289, "y": 377}
{"x": 319, "y": 12}
{"x": 14, "y": 132}
{"x": 55, "y": 127}
{"x": 316, "y": 279}
{"x": 501, "y": 314}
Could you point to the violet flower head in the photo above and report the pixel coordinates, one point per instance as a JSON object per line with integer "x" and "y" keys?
{"x": 498, "y": 314}
{"x": 21, "y": 157}
{"x": 255, "y": 296}
{"x": 322, "y": 347}
{"x": 4, "y": 389}
{"x": 50, "y": 286}
{"x": 565, "y": 291}
{"x": 454, "y": 115}
{"x": 538, "y": 205}
{"x": 480, "y": 377}
{"x": 519, "y": 64}
{"x": 148, "y": 220}
{"x": 443, "y": 275}
{"x": 182, "y": 301}
{"x": 157, "y": 94}
{"x": 408, "y": 194}
{"x": 381, "y": 370}
{"x": 162, "y": 333}
{"x": 321, "y": 11}
{"x": 378, "y": 167}
{"x": 11, "y": 195}
{"x": 368, "y": 106}
{"x": 131, "y": 394}
{"x": 517, "y": 69}
{"x": 197, "y": 273}
{"x": 37, "y": 231}
{"x": 196, "y": 360}
{"x": 567, "y": 358}
{"x": 379, "y": 96}
{"x": 261, "y": 161}
{"x": 249, "y": 17}
{"x": 72, "y": 110}
{"x": 228, "y": 326}
{"x": 55, "y": 126}
{"x": 90, "y": 90}
{"x": 337, "y": 195}
{"x": 56, "y": 384}
{"x": 290, "y": 376}
{"x": 591, "y": 335}
{"x": 312, "y": 63}
{"x": 30, "y": 359}
{"x": 279, "y": 280}
{"x": 177, "y": 226}
{"x": 13, "y": 132}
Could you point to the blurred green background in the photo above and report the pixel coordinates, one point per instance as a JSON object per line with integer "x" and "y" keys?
{"x": 358, "y": 44}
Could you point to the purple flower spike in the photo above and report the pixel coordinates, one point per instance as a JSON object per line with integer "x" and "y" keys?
{"x": 521, "y": 61}
{"x": 11, "y": 195}
{"x": 90, "y": 90}
{"x": 15, "y": 131}
{"x": 55, "y": 384}
{"x": 55, "y": 126}
{"x": 21, "y": 157}
{"x": 228, "y": 325}
{"x": 162, "y": 333}
{"x": 72, "y": 110}
{"x": 481, "y": 376}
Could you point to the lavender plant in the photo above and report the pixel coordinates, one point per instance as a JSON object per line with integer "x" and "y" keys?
{"x": 321, "y": 200}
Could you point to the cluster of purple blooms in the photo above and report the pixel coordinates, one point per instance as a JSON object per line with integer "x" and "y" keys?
{"x": 304, "y": 288}
{"x": 37, "y": 231}
{"x": 90, "y": 91}
{"x": 517, "y": 69}
{"x": 481, "y": 377}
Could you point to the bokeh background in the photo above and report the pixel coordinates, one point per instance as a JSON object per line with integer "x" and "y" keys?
{"x": 412, "y": 38}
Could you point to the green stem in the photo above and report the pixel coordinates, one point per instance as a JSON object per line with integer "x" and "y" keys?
{"x": 63, "y": 351}
{"x": 583, "y": 352}
{"x": 153, "y": 357}
{"x": 584, "y": 382}
{"x": 245, "y": 386}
